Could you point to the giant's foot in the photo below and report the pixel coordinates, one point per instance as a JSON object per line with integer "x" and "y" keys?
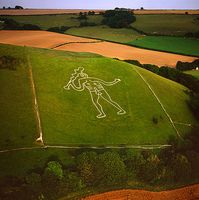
{"x": 102, "y": 115}
{"x": 121, "y": 112}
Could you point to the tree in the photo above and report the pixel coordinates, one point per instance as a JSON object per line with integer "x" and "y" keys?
{"x": 141, "y": 8}
{"x": 118, "y": 18}
{"x": 53, "y": 170}
{"x": 4, "y": 7}
{"x": 86, "y": 163}
{"x": 18, "y": 7}
{"x": 111, "y": 168}
{"x": 181, "y": 168}
{"x": 82, "y": 16}
{"x": 52, "y": 177}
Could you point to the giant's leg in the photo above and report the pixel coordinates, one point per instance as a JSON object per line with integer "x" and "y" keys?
{"x": 95, "y": 100}
{"x": 107, "y": 98}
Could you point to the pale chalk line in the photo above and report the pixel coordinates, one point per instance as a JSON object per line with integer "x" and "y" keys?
{"x": 149, "y": 147}
{"x": 181, "y": 123}
{"x": 36, "y": 108}
{"x": 20, "y": 149}
{"x": 95, "y": 88}
{"x": 162, "y": 106}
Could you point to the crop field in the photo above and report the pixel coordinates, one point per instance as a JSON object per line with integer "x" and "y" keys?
{"x": 171, "y": 44}
{"x": 44, "y": 39}
{"x": 61, "y": 110}
{"x": 167, "y": 24}
{"x": 123, "y": 35}
{"x": 69, "y": 11}
{"x": 194, "y": 73}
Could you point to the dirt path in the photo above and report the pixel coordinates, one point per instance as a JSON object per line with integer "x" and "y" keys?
{"x": 45, "y": 39}
{"x": 186, "y": 193}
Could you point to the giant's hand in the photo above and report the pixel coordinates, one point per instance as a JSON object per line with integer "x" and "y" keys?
{"x": 117, "y": 80}
{"x": 67, "y": 87}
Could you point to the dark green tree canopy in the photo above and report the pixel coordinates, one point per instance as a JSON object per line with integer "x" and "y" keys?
{"x": 118, "y": 18}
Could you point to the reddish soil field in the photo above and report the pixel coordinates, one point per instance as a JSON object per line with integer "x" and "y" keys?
{"x": 186, "y": 193}
{"x": 45, "y": 39}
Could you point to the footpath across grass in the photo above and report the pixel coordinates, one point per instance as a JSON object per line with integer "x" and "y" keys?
{"x": 178, "y": 45}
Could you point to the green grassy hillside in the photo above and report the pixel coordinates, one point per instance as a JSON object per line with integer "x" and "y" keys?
{"x": 17, "y": 121}
{"x": 171, "y": 44}
{"x": 68, "y": 117}
{"x": 167, "y": 24}
{"x": 194, "y": 73}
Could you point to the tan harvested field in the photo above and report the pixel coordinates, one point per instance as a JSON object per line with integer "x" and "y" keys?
{"x": 45, "y": 39}
{"x": 186, "y": 193}
{"x": 69, "y": 11}
{"x": 124, "y": 52}
{"x": 43, "y": 11}
{"x": 179, "y": 12}
{"x": 40, "y": 39}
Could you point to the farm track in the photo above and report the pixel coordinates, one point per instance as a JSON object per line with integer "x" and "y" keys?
{"x": 149, "y": 147}
{"x": 45, "y": 39}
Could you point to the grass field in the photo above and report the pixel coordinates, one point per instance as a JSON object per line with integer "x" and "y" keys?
{"x": 123, "y": 35}
{"x": 69, "y": 117}
{"x": 171, "y": 44}
{"x": 160, "y": 24}
{"x": 167, "y": 24}
{"x": 17, "y": 122}
{"x": 194, "y": 73}
{"x": 48, "y": 21}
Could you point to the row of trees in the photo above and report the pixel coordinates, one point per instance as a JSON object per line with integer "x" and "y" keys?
{"x": 16, "y": 7}
{"x": 11, "y": 24}
{"x": 118, "y": 18}
{"x": 109, "y": 169}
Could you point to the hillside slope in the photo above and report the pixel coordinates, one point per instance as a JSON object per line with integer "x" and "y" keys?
{"x": 68, "y": 117}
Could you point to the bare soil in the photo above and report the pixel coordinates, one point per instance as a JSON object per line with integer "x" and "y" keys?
{"x": 186, "y": 193}
{"x": 45, "y": 39}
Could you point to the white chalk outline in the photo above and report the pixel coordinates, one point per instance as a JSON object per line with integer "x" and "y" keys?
{"x": 95, "y": 88}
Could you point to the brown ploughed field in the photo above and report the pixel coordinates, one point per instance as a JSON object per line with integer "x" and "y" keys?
{"x": 45, "y": 39}
{"x": 186, "y": 193}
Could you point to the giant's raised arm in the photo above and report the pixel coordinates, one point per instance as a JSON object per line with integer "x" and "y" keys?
{"x": 105, "y": 82}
